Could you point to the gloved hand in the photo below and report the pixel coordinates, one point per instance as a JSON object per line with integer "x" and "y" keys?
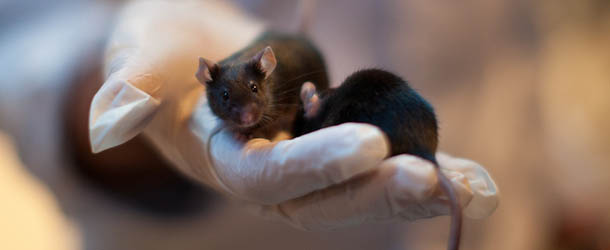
{"x": 330, "y": 178}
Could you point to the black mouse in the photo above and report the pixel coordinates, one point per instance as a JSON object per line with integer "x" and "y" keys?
{"x": 387, "y": 101}
{"x": 256, "y": 90}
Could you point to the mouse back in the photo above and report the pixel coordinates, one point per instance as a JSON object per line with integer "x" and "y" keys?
{"x": 382, "y": 99}
{"x": 298, "y": 59}
{"x": 387, "y": 101}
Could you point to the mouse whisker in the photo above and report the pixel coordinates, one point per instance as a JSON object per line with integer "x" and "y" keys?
{"x": 283, "y": 104}
{"x": 284, "y": 93}
{"x": 304, "y": 75}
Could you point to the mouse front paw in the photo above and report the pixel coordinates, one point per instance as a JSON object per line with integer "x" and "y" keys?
{"x": 242, "y": 137}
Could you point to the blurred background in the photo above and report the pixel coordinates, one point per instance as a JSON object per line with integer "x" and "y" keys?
{"x": 520, "y": 86}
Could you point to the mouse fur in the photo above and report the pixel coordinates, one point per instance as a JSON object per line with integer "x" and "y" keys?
{"x": 277, "y": 64}
{"x": 387, "y": 101}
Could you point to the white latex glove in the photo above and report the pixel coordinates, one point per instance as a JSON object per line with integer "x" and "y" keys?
{"x": 327, "y": 179}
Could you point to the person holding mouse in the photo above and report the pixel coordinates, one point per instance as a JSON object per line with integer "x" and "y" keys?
{"x": 150, "y": 89}
{"x": 331, "y": 178}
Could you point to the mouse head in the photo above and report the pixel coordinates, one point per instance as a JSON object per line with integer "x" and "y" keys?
{"x": 239, "y": 93}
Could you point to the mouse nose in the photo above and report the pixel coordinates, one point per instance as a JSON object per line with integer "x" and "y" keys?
{"x": 249, "y": 114}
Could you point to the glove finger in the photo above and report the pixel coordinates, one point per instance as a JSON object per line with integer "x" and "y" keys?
{"x": 403, "y": 186}
{"x": 271, "y": 172}
{"x": 485, "y": 197}
{"x": 119, "y": 111}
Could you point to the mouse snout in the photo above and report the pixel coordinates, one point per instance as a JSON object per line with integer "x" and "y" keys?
{"x": 250, "y": 115}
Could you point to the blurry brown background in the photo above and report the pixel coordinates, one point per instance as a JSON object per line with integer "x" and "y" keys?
{"x": 520, "y": 87}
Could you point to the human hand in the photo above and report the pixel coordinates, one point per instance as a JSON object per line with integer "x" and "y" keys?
{"x": 330, "y": 178}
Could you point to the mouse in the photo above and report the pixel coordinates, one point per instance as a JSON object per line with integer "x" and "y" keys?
{"x": 385, "y": 100}
{"x": 255, "y": 92}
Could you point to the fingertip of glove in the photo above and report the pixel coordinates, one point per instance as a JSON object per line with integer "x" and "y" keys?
{"x": 119, "y": 111}
{"x": 414, "y": 176}
{"x": 485, "y": 193}
{"x": 485, "y": 199}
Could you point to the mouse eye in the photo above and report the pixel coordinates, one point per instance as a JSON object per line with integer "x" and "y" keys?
{"x": 254, "y": 88}
{"x": 225, "y": 95}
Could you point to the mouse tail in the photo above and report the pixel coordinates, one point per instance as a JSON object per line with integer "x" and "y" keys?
{"x": 305, "y": 15}
{"x": 455, "y": 233}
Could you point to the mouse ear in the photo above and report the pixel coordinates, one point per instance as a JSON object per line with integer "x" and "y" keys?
{"x": 204, "y": 73}
{"x": 265, "y": 61}
{"x": 310, "y": 99}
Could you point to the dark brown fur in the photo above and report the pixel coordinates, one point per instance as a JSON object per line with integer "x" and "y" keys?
{"x": 298, "y": 61}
